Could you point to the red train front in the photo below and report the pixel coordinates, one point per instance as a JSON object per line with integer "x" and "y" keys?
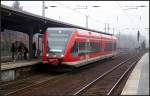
{"x": 76, "y": 47}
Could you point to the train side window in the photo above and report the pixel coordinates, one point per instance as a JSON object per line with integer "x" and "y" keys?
{"x": 108, "y": 47}
{"x": 82, "y": 48}
{"x": 74, "y": 49}
{"x": 94, "y": 47}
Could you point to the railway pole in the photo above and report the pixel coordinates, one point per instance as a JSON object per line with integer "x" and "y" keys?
{"x": 31, "y": 30}
{"x": 46, "y": 7}
{"x": 86, "y": 15}
{"x": 105, "y": 28}
{"x": 43, "y": 8}
{"x": 113, "y": 31}
{"x": 108, "y": 27}
{"x": 87, "y": 18}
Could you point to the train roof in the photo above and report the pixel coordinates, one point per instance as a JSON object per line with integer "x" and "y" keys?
{"x": 61, "y": 28}
{"x": 73, "y": 29}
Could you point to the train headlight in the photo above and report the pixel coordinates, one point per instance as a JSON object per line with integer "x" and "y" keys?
{"x": 61, "y": 55}
{"x": 47, "y": 54}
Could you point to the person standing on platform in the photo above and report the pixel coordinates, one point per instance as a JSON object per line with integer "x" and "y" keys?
{"x": 13, "y": 50}
{"x": 34, "y": 49}
{"x": 25, "y": 51}
{"x": 20, "y": 51}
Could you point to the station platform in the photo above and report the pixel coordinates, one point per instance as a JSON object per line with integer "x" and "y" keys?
{"x": 17, "y": 64}
{"x": 138, "y": 81}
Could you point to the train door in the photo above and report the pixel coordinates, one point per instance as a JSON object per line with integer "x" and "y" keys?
{"x": 82, "y": 48}
{"x": 40, "y": 45}
{"x": 87, "y": 47}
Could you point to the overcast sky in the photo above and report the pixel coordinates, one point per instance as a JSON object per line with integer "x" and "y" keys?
{"x": 120, "y": 15}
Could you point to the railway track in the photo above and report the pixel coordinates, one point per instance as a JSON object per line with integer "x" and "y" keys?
{"x": 77, "y": 78}
{"x": 19, "y": 85}
{"x": 108, "y": 76}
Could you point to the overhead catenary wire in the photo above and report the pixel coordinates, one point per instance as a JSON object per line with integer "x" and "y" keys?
{"x": 131, "y": 20}
{"x": 72, "y": 9}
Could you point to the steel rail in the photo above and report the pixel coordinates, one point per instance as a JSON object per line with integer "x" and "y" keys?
{"x": 104, "y": 74}
{"x": 19, "y": 81}
{"x": 119, "y": 80}
{"x": 35, "y": 84}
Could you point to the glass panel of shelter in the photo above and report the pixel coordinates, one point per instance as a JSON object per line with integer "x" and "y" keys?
{"x": 8, "y": 38}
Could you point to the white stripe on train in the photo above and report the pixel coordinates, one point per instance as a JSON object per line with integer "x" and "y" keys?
{"x": 84, "y": 62}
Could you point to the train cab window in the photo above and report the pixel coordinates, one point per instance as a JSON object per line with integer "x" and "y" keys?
{"x": 57, "y": 39}
{"x": 74, "y": 49}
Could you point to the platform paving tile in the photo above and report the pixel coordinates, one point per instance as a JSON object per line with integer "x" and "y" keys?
{"x": 138, "y": 82}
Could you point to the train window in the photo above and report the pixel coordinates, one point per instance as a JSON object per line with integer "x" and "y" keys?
{"x": 85, "y": 48}
{"x": 108, "y": 47}
{"x": 57, "y": 39}
{"x": 79, "y": 48}
{"x": 82, "y": 48}
{"x": 94, "y": 47}
{"x": 74, "y": 49}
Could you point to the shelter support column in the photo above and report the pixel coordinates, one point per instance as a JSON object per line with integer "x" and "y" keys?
{"x": 30, "y": 43}
{"x": 38, "y": 47}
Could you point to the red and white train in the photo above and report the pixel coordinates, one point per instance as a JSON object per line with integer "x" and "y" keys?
{"x": 76, "y": 47}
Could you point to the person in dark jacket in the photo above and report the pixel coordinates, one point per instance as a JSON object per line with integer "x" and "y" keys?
{"x": 13, "y": 50}
{"x": 34, "y": 49}
{"x": 20, "y": 51}
{"x": 25, "y": 52}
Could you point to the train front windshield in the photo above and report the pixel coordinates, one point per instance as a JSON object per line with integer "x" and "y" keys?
{"x": 57, "y": 40}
